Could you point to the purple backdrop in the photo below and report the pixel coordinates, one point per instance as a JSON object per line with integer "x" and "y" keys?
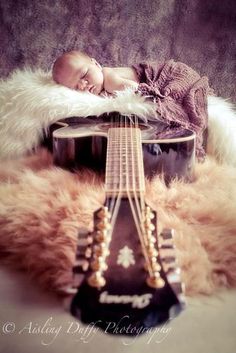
{"x": 200, "y": 33}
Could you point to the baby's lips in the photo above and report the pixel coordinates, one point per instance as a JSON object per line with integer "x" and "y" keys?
{"x": 91, "y": 88}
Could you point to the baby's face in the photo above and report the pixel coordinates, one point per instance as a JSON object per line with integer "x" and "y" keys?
{"x": 82, "y": 75}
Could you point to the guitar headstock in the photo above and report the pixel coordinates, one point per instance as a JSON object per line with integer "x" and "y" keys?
{"x": 144, "y": 238}
{"x": 127, "y": 267}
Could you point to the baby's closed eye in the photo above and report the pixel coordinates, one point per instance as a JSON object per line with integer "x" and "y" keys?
{"x": 84, "y": 75}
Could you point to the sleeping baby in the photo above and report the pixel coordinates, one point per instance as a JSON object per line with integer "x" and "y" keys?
{"x": 179, "y": 92}
{"x": 78, "y": 71}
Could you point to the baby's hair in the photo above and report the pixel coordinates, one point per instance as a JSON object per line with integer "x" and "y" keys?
{"x": 62, "y": 60}
{"x": 77, "y": 53}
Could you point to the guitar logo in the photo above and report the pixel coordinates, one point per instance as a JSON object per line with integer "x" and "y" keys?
{"x": 125, "y": 257}
{"x": 136, "y": 301}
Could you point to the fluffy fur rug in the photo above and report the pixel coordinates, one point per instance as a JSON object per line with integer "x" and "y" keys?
{"x": 30, "y": 101}
{"x": 42, "y": 207}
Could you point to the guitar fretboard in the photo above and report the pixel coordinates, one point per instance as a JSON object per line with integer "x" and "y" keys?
{"x": 124, "y": 164}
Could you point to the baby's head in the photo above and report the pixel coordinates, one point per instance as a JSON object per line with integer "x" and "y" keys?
{"x": 76, "y": 70}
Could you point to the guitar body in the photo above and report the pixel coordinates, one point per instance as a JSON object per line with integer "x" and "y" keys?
{"x": 82, "y": 143}
{"x": 126, "y": 277}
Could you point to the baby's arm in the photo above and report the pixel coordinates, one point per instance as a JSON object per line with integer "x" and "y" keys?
{"x": 115, "y": 82}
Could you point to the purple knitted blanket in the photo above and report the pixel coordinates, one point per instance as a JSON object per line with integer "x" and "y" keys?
{"x": 180, "y": 95}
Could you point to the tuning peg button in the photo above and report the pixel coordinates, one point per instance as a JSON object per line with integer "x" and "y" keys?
{"x": 104, "y": 225}
{"x": 101, "y": 250}
{"x": 155, "y": 267}
{"x": 98, "y": 264}
{"x": 151, "y": 239}
{"x": 152, "y": 252}
{"x": 96, "y": 280}
{"x": 103, "y": 236}
{"x": 155, "y": 282}
{"x": 88, "y": 252}
{"x": 149, "y": 212}
{"x": 104, "y": 213}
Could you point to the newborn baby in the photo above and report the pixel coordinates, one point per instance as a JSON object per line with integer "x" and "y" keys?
{"x": 78, "y": 71}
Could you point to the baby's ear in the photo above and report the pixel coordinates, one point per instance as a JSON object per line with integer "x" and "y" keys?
{"x": 96, "y": 63}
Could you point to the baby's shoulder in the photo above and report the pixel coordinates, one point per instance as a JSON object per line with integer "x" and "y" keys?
{"x": 108, "y": 73}
{"x": 116, "y": 78}
{"x": 110, "y": 78}
{"x": 124, "y": 72}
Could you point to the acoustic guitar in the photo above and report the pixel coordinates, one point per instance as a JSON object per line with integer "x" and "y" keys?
{"x": 126, "y": 276}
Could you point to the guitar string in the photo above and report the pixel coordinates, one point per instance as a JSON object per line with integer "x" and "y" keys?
{"x": 141, "y": 187}
{"x": 139, "y": 164}
{"x": 138, "y": 161}
{"x": 112, "y": 164}
{"x": 131, "y": 153}
{"x": 116, "y": 205}
{"x": 119, "y": 196}
{"x": 142, "y": 184}
{"x": 121, "y": 187}
{"x": 133, "y": 168}
{"x": 112, "y": 168}
{"x": 134, "y": 211}
{"x": 140, "y": 169}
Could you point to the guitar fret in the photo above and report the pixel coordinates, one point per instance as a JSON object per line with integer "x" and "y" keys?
{"x": 124, "y": 167}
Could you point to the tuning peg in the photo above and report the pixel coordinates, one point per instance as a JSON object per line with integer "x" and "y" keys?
{"x": 103, "y": 236}
{"x": 155, "y": 281}
{"x": 104, "y": 225}
{"x": 88, "y": 252}
{"x": 149, "y": 232}
{"x": 147, "y": 223}
{"x": 84, "y": 241}
{"x": 83, "y": 232}
{"x": 150, "y": 216}
{"x": 96, "y": 280}
{"x": 155, "y": 267}
{"x": 149, "y": 226}
{"x": 83, "y": 251}
{"x": 80, "y": 264}
{"x": 98, "y": 264}
{"x": 151, "y": 239}
{"x": 104, "y": 213}
{"x": 152, "y": 252}
{"x": 76, "y": 282}
{"x": 167, "y": 233}
{"x": 77, "y": 279}
{"x": 101, "y": 250}
{"x": 149, "y": 213}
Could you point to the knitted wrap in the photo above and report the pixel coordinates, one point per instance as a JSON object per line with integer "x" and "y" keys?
{"x": 180, "y": 95}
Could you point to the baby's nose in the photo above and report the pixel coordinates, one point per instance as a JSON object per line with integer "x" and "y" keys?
{"x": 83, "y": 85}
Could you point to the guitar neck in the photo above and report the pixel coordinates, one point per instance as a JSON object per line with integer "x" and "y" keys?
{"x": 124, "y": 163}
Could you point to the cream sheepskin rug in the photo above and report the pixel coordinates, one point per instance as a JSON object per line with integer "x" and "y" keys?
{"x": 30, "y": 101}
{"x": 42, "y": 207}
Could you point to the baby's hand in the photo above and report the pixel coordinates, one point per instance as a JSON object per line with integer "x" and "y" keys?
{"x": 151, "y": 91}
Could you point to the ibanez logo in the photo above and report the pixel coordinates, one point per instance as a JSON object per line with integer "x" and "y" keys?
{"x": 136, "y": 301}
